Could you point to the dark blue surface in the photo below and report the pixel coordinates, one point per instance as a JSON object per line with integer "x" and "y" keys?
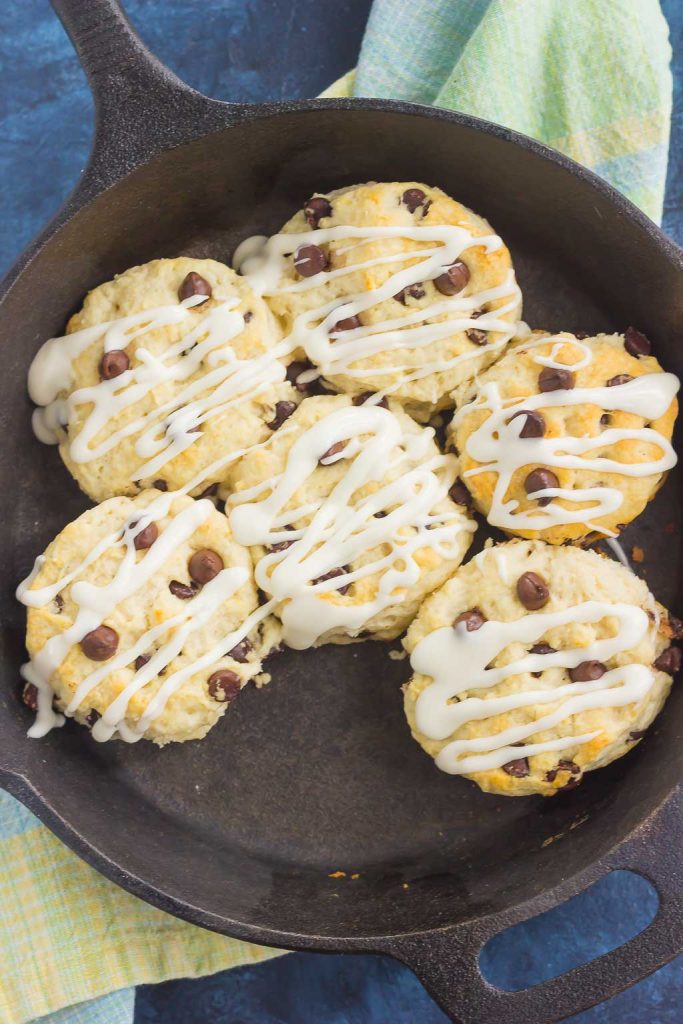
{"x": 253, "y": 50}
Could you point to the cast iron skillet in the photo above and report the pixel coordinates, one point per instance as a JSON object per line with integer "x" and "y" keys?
{"x": 317, "y": 773}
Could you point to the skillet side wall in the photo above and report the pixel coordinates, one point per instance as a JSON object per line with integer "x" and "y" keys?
{"x": 317, "y": 772}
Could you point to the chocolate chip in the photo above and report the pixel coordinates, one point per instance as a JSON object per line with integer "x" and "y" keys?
{"x": 59, "y": 602}
{"x": 415, "y": 291}
{"x": 635, "y": 343}
{"x": 209, "y": 492}
{"x": 309, "y": 260}
{"x": 283, "y": 410}
{"x": 621, "y": 378}
{"x": 413, "y": 198}
{"x": 473, "y": 620}
{"x": 332, "y": 574}
{"x": 349, "y": 323}
{"x": 460, "y": 495}
{"x": 475, "y": 334}
{"x": 145, "y": 538}
{"x": 605, "y": 419}
{"x": 160, "y": 485}
{"x": 453, "y": 279}
{"x": 534, "y": 423}
{"x": 586, "y": 671}
{"x": 281, "y": 545}
{"x": 539, "y": 480}
{"x": 92, "y": 717}
{"x": 315, "y": 209}
{"x": 676, "y": 626}
{"x": 636, "y": 734}
{"x": 477, "y": 337}
{"x": 581, "y": 335}
{"x": 113, "y": 364}
{"x": 194, "y": 284}
{"x": 334, "y": 449}
{"x": 670, "y": 660}
{"x": 380, "y": 515}
{"x": 248, "y": 316}
{"x": 362, "y": 399}
{"x": 224, "y": 685}
{"x": 241, "y": 650}
{"x": 563, "y": 766}
{"x": 519, "y": 768}
{"x": 141, "y": 661}
{"x": 554, "y": 379}
{"x": 532, "y": 591}
{"x": 295, "y": 369}
{"x": 183, "y": 591}
{"x": 100, "y": 644}
{"x": 29, "y": 696}
{"x": 542, "y": 648}
{"x": 205, "y": 565}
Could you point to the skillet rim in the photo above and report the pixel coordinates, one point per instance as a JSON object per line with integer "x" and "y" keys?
{"x": 90, "y": 187}
{"x": 92, "y": 183}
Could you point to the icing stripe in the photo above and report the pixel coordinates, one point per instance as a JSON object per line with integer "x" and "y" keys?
{"x": 498, "y": 447}
{"x": 457, "y": 662}
{"x": 343, "y": 527}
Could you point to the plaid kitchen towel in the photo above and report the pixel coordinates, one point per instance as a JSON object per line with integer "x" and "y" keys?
{"x": 68, "y": 935}
{"x": 589, "y": 77}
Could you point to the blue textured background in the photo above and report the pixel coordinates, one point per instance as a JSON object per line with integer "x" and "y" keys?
{"x": 253, "y": 50}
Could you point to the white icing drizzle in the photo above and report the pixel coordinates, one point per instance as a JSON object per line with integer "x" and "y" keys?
{"x": 343, "y": 527}
{"x": 618, "y": 552}
{"x": 171, "y": 427}
{"x": 263, "y": 261}
{"x": 497, "y": 445}
{"x": 456, "y": 660}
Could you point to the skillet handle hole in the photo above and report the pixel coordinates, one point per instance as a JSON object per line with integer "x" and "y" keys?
{"x": 603, "y": 917}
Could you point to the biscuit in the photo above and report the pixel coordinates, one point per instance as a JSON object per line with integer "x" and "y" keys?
{"x": 349, "y": 518}
{"x": 143, "y": 619}
{"x": 164, "y": 376}
{"x": 535, "y": 664}
{"x": 392, "y": 287}
{"x": 564, "y": 438}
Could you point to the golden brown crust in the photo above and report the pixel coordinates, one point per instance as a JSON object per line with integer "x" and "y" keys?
{"x": 376, "y": 205}
{"x": 488, "y": 582}
{"x": 118, "y": 471}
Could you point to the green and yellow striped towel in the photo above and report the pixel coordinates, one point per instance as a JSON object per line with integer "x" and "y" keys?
{"x": 590, "y": 77}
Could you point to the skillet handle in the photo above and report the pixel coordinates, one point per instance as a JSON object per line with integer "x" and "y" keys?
{"x": 448, "y": 964}
{"x": 141, "y": 107}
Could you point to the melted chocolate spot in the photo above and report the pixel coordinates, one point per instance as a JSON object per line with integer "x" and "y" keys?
{"x": 453, "y": 279}
{"x": 586, "y": 671}
{"x": 224, "y": 685}
{"x": 473, "y": 619}
{"x": 552, "y": 379}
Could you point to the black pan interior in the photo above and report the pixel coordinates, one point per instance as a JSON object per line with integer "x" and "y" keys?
{"x": 317, "y": 773}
